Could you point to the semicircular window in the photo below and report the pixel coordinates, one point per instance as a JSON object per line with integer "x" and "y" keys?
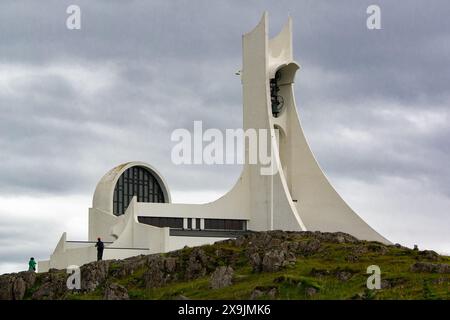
{"x": 136, "y": 181}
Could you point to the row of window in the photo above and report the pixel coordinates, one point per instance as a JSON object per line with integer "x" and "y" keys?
{"x": 209, "y": 224}
{"x": 225, "y": 224}
{"x": 162, "y": 222}
{"x": 136, "y": 181}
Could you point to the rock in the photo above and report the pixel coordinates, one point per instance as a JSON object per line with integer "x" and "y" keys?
{"x": 319, "y": 272}
{"x": 359, "y": 250}
{"x": 256, "y": 294}
{"x": 126, "y": 267}
{"x": 259, "y": 292}
{"x": 160, "y": 271}
{"x": 356, "y": 253}
{"x": 181, "y": 297}
{"x": 115, "y": 291}
{"x": 154, "y": 277}
{"x": 309, "y": 247}
{"x": 335, "y": 237}
{"x": 358, "y": 296}
{"x": 361, "y": 296}
{"x": 430, "y": 267}
{"x": 45, "y": 292}
{"x": 378, "y": 248}
{"x": 93, "y": 274}
{"x": 393, "y": 282}
{"x": 398, "y": 245}
{"x": 222, "y": 277}
{"x": 53, "y": 286}
{"x": 170, "y": 264}
{"x": 197, "y": 264}
{"x": 429, "y": 255}
{"x": 255, "y": 261}
{"x": 310, "y": 291}
{"x": 19, "y": 288}
{"x": 14, "y": 286}
{"x": 272, "y": 293}
{"x": 340, "y": 238}
{"x": 6, "y": 286}
{"x": 275, "y": 260}
{"x": 240, "y": 241}
{"x": 343, "y": 275}
{"x": 441, "y": 281}
{"x": 352, "y": 257}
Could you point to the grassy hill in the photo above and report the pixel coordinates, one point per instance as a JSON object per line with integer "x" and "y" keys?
{"x": 265, "y": 265}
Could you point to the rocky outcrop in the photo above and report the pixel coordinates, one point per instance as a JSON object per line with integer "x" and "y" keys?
{"x": 343, "y": 275}
{"x": 14, "y": 286}
{"x": 340, "y": 274}
{"x": 93, "y": 274}
{"x": 268, "y": 252}
{"x": 428, "y": 255}
{"x": 19, "y": 288}
{"x": 197, "y": 264}
{"x": 115, "y": 291}
{"x": 53, "y": 286}
{"x": 6, "y": 287}
{"x": 221, "y": 277}
{"x": 155, "y": 276}
{"x": 255, "y": 261}
{"x": 126, "y": 267}
{"x": 310, "y": 247}
{"x": 160, "y": 271}
{"x": 430, "y": 267}
{"x": 274, "y": 260}
{"x": 389, "y": 283}
{"x": 310, "y": 291}
{"x": 378, "y": 248}
{"x": 271, "y": 261}
{"x": 261, "y": 292}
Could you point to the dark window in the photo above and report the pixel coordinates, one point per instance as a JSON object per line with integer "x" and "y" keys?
{"x": 136, "y": 181}
{"x": 189, "y": 224}
{"x": 162, "y": 222}
{"x": 197, "y": 224}
{"x": 225, "y": 224}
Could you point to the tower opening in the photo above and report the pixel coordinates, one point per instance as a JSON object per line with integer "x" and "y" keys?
{"x": 276, "y": 99}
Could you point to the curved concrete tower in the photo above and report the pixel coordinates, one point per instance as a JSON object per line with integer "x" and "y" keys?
{"x": 298, "y": 196}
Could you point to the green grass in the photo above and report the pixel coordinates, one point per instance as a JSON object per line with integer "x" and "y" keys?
{"x": 294, "y": 281}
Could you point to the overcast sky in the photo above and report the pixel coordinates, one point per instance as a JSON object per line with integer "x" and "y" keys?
{"x": 374, "y": 104}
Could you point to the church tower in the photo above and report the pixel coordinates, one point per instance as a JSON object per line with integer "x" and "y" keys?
{"x": 298, "y": 196}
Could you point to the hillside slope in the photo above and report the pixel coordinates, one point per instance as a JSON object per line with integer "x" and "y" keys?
{"x": 260, "y": 265}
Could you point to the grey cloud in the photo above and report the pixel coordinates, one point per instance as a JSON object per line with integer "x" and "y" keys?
{"x": 181, "y": 62}
{"x": 154, "y": 66}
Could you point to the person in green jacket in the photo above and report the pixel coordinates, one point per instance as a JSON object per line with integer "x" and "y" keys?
{"x": 32, "y": 265}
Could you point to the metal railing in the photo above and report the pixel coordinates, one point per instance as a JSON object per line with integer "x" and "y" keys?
{"x": 82, "y": 241}
{"x": 106, "y": 247}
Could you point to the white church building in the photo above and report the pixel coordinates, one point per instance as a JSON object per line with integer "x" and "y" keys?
{"x": 132, "y": 210}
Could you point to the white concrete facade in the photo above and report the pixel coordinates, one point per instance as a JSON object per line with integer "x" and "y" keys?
{"x": 297, "y": 197}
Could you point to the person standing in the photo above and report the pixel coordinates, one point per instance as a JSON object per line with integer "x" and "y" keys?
{"x": 32, "y": 265}
{"x": 100, "y": 246}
